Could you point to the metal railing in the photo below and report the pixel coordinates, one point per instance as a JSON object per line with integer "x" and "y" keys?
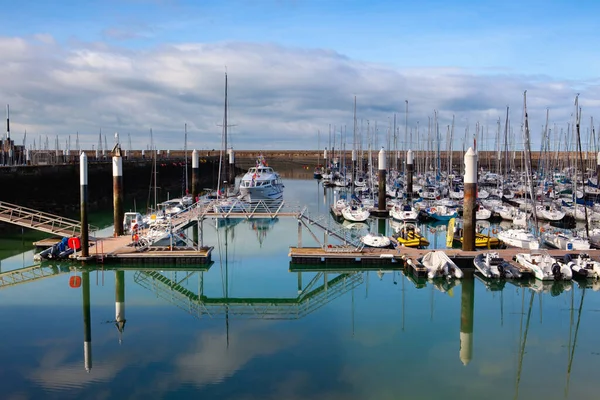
{"x": 41, "y": 221}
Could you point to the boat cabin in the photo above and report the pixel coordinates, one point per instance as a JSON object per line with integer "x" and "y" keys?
{"x": 130, "y": 219}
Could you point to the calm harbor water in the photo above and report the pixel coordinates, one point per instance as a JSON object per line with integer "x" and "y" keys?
{"x": 251, "y": 326}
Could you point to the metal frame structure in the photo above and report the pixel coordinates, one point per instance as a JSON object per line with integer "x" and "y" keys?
{"x": 41, "y": 221}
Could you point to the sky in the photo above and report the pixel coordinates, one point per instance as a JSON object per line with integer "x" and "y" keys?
{"x": 294, "y": 67}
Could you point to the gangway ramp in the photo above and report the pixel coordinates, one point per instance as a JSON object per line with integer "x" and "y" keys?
{"x": 40, "y": 221}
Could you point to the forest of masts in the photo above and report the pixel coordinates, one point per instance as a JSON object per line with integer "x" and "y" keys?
{"x": 501, "y": 149}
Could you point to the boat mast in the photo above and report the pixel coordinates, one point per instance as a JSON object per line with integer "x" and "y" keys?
{"x": 528, "y": 166}
{"x": 153, "y": 166}
{"x": 225, "y": 136}
{"x": 578, "y": 122}
{"x": 186, "y": 159}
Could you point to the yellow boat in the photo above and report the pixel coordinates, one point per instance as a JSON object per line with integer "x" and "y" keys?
{"x": 409, "y": 236}
{"x": 454, "y": 236}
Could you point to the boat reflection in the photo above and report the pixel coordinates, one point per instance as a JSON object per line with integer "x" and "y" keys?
{"x": 315, "y": 286}
{"x": 261, "y": 226}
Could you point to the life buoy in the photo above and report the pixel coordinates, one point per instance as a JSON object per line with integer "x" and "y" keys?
{"x": 432, "y": 230}
{"x": 433, "y": 209}
{"x": 494, "y": 231}
{"x": 542, "y": 229}
{"x": 75, "y": 281}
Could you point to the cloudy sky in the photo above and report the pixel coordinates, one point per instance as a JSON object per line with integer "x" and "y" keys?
{"x": 294, "y": 67}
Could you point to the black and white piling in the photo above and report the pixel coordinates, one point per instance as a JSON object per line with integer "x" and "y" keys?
{"x": 117, "y": 169}
{"x": 83, "y": 182}
{"x": 87, "y": 323}
{"x": 467, "y": 300}
{"x": 382, "y": 209}
{"x": 8, "y": 142}
{"x": 120, "y": 303}
{"x": 195, "y": 174}
{"x": 470, "y": 200}
{"x": 409, "y": 175}
{"x": 231, "y": 154}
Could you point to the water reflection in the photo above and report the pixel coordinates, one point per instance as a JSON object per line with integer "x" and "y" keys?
{"x": 251, "y": 325}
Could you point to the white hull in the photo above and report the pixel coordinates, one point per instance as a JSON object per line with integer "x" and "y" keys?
{"x": 519, "y": 238}
{"x": 544, "y": 267}
{"x": 439, "y": 265}
{"x": 373, "y": 240}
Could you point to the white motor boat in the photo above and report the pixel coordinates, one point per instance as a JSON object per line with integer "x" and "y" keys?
{"x": 440, "y": 265}
{"x": 404, "y": 212}
{"x": 582, "y": 265}
{"x": 355, "y": 213}
{"x": 375, "y": 240}
{"x": 519, "y": 238}
{"x": 133, "y": 220}
{"x": 261, "y": 183}
{"x": 491, "y": 265}
{"x": 544, "y": 266}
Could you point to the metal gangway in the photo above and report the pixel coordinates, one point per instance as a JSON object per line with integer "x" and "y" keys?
{"x": 221, "y": 208}
{"x": 311, "y": 298}
{"x": 41, "y": 221}
{"x": 346, "y": 236}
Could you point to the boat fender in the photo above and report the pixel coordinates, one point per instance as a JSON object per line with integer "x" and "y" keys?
{"x": 556, "y": 271}
{"x": 502, "y": 271}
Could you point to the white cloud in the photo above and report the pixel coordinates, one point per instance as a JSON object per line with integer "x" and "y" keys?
{"x": 279, "y": 96}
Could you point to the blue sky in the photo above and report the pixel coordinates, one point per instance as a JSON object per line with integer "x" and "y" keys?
{"x": 533, "y": 44}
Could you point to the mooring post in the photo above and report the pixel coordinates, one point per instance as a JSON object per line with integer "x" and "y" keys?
{"x": 467, "y": 300}
{"x": 195, "y": 174}
{"x": 470, "y": 200}
{"x": 87, "y": 323}
{"x": 117, "y": 168}
{"x": 382, "y": 174}
{"x": 231, "y": 177}
{"x": 201, "y": 232}
{"x": 598, "y": 170}
{"x": 120, "y": 303}
{"x": 83, "y": 181}
{"x": 409, "y": 175}
{"x": 299, "y": 234}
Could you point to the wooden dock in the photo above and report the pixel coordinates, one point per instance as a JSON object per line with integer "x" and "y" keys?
{"x": 121, "y": 250}
{"x": 342, "y": 256}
